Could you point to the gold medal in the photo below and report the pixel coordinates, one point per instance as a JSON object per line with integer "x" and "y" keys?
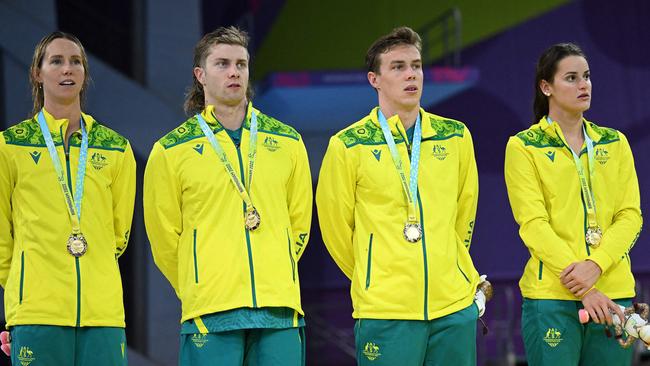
{"x": 77, "y": 245}
{"x": 593, "y": 236}
{"x": 412, "y": 232}
{"x": 253, "y": 219}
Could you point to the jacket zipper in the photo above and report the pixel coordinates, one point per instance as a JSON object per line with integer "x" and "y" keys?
{"x": 369, "y": 262}
{"x": 248, "y": 239}
{"x": 66, "y": 149}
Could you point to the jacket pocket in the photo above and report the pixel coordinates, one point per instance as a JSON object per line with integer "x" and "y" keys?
{"x": 461, "y": 272}
{"x": 196, "y": 265}
{"x": 541, "y": 267}
{"x": 22, "y": 277}
{"x": 293, "y": 262}
{"x": 369, "y": 265}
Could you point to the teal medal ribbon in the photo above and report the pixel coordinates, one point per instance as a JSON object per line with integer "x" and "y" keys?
{"x": 252, "y": 219}
{"x": 412, "y": 229}
{"x": 76, "y": 245}
{"x": 594, "y": 233}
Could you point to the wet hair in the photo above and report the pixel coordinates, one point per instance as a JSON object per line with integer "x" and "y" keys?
{"x": 195, "y": 97}
{"x": 38, "y": 96}
{"x": 546, "y": 69}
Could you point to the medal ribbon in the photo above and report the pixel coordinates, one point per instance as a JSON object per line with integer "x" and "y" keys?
{"x": 411, "y": 187}
{"x": 73, "y": 203}
{"x": 252, "y": 152}
{"x": 586, "y": 186}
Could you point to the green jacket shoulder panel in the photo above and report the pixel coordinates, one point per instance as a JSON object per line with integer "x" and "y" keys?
{"x": 271, "y": 125}
{"x": 607, "y": 135}
{"x": 535, "y": 137}
{"x": 26, "y": 133}
{"x": 188, "y": 130}
{"x": 364, "y": 132}
{"x": 102, "y": 137}
{"x": 445, "y": 128}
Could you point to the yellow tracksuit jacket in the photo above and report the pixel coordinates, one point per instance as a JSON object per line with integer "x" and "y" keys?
{"x": 195, "y": 217}
{"x": 546, "y": 201}
{"x": 362, "y": 210}
{"x": 43, "y": 283}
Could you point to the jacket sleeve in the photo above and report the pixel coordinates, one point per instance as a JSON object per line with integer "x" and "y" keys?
{"x": 300, "y": 199}
{"x": 529, "y": 209}
{"x": 621, "y": 236}
{"x": 7, "y": 181}
{"x": 162, "y": 213}
{"x": 467, "y": 191}
{"x": 335, "y": 201}
{"x": 123, "y": 191}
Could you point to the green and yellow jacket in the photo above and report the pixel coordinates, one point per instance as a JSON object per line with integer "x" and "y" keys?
{"x": 43, "y": 283}
{"x": 362, "y": 210}
{"x": 547, "y": 203}
{"x": 195, "y": 216}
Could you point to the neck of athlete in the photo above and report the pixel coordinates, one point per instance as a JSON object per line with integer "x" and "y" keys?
{"x": 571, "y": 125}
{"x": 407, "y": 114}
{"x": 231, "y": 116}
{"x": 65, "y": 110}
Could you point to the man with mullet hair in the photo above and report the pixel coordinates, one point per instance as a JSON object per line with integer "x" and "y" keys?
{"x": 227, "y": 201}
{"x": 396, "y": 201}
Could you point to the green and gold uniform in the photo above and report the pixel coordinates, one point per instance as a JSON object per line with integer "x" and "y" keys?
{"x": 227, "y": 277}
{"x": 362, "y": 210}
{"x": 45, "y": 285}
{"x": 546, "y": 200}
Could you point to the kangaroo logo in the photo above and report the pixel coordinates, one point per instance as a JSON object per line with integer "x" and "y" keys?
{"x": 25, "y": 356}
{"x": 602, "y": 155}
{"x": 98, "y": 161}
{"x": 371, "y": 351}
{"x": 440, "y": 152}
{"x": 271, "y": 144}
{"x": 553, "y": 337}
{"x": 199, "y": 340}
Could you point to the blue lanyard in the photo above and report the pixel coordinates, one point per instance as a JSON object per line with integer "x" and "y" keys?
{"x": 411, "y": 187}
{"x": 252, "y": 152}
{"x": 73, "y": 203}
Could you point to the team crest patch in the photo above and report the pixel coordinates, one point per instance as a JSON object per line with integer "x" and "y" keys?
{"x": 602, "y": 155}
{"x": 553, "y": 337}
{"x": 199, "y": 340}
{"x": 25, "y": 356}
{"x": 98, "y": 161}
{"x": 440, "y": 152}
{"x": 371, "y": 351}
{"x": 271, "y": 144}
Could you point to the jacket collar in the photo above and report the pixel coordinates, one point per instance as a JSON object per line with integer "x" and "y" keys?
{"x": 57, "y": 125}
{"x": 550, "y": 128}
{"x": 396, "y": 126}
{"x": 211, "y": 119}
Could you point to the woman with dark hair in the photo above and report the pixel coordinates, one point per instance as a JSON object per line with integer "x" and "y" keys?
{"x": 574, "y": 192}
{"x": 67, "y": 188}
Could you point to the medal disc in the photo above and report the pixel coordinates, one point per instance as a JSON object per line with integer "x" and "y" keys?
{"x": 77, "y": 245}
{"x": 253, "y": 220}
{"x": 412, "y": 232}
{"x": 593, "y": 236}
